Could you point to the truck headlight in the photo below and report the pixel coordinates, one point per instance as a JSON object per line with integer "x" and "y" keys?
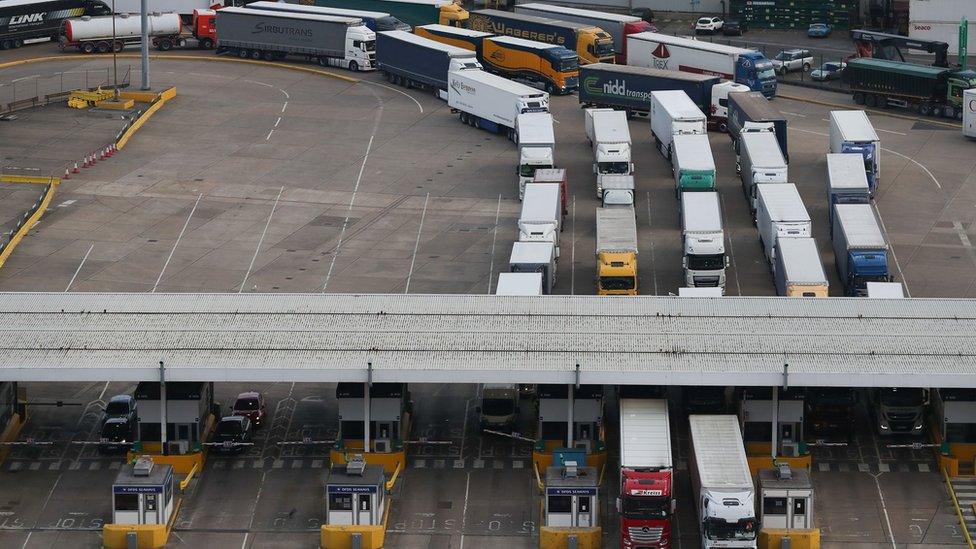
{"x": 884, "y": 425}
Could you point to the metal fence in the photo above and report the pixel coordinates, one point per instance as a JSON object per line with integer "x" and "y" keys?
{"x": 40, "y": 90}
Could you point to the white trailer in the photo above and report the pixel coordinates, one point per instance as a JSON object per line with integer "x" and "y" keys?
{"x": 609, "y": 135}
{"x": 532, "y": 258}
{"x": 676, "y": 53}
{"x": 491, "y": 102}
{"x": 703, "y": 240}
{"x": 797, "y": 269}
{"x": 536, "y": 143}
{"x": 886, "y": 290}
{"x": 725, "y": 499}
{"x": 618, "y": 190}
{"x": 692, "y": 163}
{"x": 541, "y": 214}
{"x": 939, "y": 20}
{"x": 685, "y": 291}
{"x": 852, "y": 132}
{"x": 846, "y": 182}
{"x": 181, "y": 7}
{"x": 519, "y": 284}
{"x": 674, "y": 113}
{"x": 969, "y": 113}
{"x": 780, "y": 213}
{"x": 760, "y": 160}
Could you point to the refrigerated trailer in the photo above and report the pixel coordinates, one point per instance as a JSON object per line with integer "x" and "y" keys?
{"x": 541, "y": 216}
{"x": 759, "y": 161}
{"x": 852, "y": 132}
{"x": 846, "y": 182}
{"x": 330, "y": 40}
{"x": 751, "y": 111}
{"x": 646, "y": 501}
{"x": 675, "y": 53}
{"x": 618, "y": 26}
{"x": 725, "y": 499}
{"x": 491, "y": 102}
{"x": 780, "y": 213}
{"x": 674, "y": 113}
{"x": 797, "y": 269}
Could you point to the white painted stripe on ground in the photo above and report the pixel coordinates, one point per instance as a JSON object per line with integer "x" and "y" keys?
{"x": 261, "y": 240}
{"x": 416, "y": 246}
{"x": 891, "y": 131}
{"x": 494, "y": 236}
{"x": 78, "y": 270}
{"x": 401, "y": 92}
{"x": 904, "y": 281}
{"x": 177, "y": 243}
{"x": 345, "y": 222}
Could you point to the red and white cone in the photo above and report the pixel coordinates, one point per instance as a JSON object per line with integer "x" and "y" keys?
{"x": 76, "y": 169}
{"x": 67, "y": 174}
{"x": 111, "y": 150}
{"x": 87, "y": 162}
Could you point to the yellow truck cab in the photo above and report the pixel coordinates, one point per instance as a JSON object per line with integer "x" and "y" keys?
{"x": 598, "y": 45}
{"x": 453, "y": 15}
{"x": 616, "y": 251}
{"x": 556, "y": 67}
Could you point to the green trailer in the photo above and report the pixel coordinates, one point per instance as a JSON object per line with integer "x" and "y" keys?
{"x": 928, "y": 90}
{"x": 411, "y": 12}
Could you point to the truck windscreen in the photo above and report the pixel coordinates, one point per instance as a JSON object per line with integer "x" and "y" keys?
{"x": 902, "y": 397}
{"x": 617, "y": 283}
{"x": 706, "y": 262}
{"x": 497, "y": 406}
{"x": 645, "y": 507}
{"x": 716, "y": 529}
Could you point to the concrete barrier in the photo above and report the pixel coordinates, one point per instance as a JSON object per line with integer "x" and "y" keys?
{"x": 148, "y": 536}
{"x": 772, "y": 538}
{"x": 558, "y": 538}
{"x": 334, "y": 536}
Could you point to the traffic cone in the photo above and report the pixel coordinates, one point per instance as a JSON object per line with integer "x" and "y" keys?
{"x": 67, "y": 174}
{"x": 110, "y": 151}
{"x": 76, "y": 169}
{"x": 87, "y": 162}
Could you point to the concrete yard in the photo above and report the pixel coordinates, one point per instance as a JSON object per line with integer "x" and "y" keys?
{"x": 260, "y": 179}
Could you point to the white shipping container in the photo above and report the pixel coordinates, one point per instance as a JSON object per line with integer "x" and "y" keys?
{"x": 780, "y": 213}
{"x": 939, "y": 20}
{"x": 519, "y": 284}
{"x": 541, "y": 214}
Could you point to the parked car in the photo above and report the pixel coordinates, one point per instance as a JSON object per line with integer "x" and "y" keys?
{"x": 819, "y": 30}
{"x": 251, "y": 405}
{"x": 792, "y": 60}
{"x": 709, "y": 25}
{"x": 232, "y": 434}
{"x": 122, "y": 407}
{"x": 831, "y": 70}
{"x": 734, "y": 28}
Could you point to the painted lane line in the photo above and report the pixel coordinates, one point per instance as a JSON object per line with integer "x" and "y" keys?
{"x": 891, "y": 131}
{"x": 884, "y": 509}
{"x": 177, "y": 243}
{"x": 260, "y": 83}
{"x": 345, "y": 222}
{"x": 277, "y": 122}
{"x": 735, "y": 269}
{"x": 964, "y": 238}
{"x": 269, "y": 135}
{"x": 78, "y": 270}
{"x": 261, "y": 240}
{"x": 22, "y": 78}
{"x": 464, "y": 511}
{"x": 283, "y": 107}
{"x": 913, "y": 161}
{"x": 494, "y": 236}
{"x": 416, "y": 246}
{"x": 572, "y": 261}
{"x": 401, "y": 92}
{"x": 787, "y": 113}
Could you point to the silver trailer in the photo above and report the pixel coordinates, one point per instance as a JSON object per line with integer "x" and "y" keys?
{"x": 846, "y": 182}
{"x": 674, "y": 113}
{"x": 760, "y": 160}
{"x": 780, "y": 213}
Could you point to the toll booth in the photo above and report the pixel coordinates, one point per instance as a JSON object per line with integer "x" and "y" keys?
{"x": 587, "y": 417}
{"x": 389, "y": 416}
{"x": 571, "y": 497}
{"x": 189, "y": 406}
{"x": 954, "y": 415}
{"x": 787, "y": 498}
{"x": 355, "y": 494}
{"x": 143, "y": 493}
{"x": 756, "y": 413}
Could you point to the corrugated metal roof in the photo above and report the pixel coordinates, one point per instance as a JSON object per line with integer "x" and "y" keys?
{"x": 489, "y": 339}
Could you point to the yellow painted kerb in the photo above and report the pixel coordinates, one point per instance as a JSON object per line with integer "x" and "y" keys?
{"x": 131, "y": 130}
{"x": 771, "y": 538}
{"x": 31, "y": 221}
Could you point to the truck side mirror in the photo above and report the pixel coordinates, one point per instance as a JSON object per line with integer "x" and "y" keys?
{"x": 618, "y": 505}
{"x": 594, "y": 168}
{"x": 631, "y": 167}
{"x": 674, "y": 505}
{"x": 726, "y": 261}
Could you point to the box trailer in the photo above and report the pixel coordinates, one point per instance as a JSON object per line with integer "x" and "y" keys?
{"x": 375, "y": 21}
{"x": 852, "y": 132}
{"x": 617, "y": 25}
{"x": 725, "y": 498}
{"x": 557, "y": 176}
{"x": 646, "y": 500}
{"x": 591, "y": 44}
{"x": 411, "y": 12}
{"x": 541, "y": 217}
{"x": 534, "y": 257}
{"x": 751, "y": 111}
{"x": 609, "y": 136}
{"x": 519, "y": 284}
{"x": 491, "y": 102}
{"x": 692, "y": 164}
{"x": 759, "y": 161}
{"x": 330, "y": 40}
{"x": 616, "y": 251}
{"x": 453, "y": 36}
{"x": 554, "y": 67}
{"x": 416, "y": 62}
{"x": 674, "y": 113}
{"x": 536, "y": 142}
{"x": 860, "y": 248}
{"x": 21, "y": 21}
{"x": 797, "y": 269}
{"x": 846, "y": 182}
{"x": 676, "y": 53}
{"x": 780, "y": 213}
{"x": 703, "y": 240}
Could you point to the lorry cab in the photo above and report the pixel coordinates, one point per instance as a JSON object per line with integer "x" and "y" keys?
{"x": 723, "y": 524}
{"x": 499, "y": 406}
{"x": 830, "y": 412}
{"x": 645, "y": 507}
{"x": 595, "y": 45}
{"x": 958, "y": 83}
{"x": 757, "y": 72}
{"x": 452, "y": 14}
{"x": 866, "y": 266}
{"x": 719, "y": 106}
{"x": 360, "y": 49}
{"x": 533, "y": 103}
{"x": 900, "y": 411}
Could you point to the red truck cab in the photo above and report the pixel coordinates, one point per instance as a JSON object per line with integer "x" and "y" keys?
{"x": 204, "y": 29}
{"x": 645, "y": 508}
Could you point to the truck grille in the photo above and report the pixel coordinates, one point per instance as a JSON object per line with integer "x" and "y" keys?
{"x": 640, "y": 534}
{"x": 902, "y": 416}
{"x": 706, "y": 282}
{"x": 572, "y": 82}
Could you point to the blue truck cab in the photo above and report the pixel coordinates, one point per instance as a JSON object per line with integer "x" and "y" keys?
{"x": 859, "y": 247}
{"x": 865, "y": 266}
{"x": 756, "y": 71}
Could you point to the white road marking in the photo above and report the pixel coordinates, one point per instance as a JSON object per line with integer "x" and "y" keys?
{"x": 962, "y": 234}
{"x": 787, "y": 113}
{"x": 345, "y": 222}
{"x": 283, "y": 107}
{"x": 494, "y": 235}
{"x": 416, "y": 246}
{"x": 884, "y": 509}
{"x": 277, "y": 122}
{"x": 177, "y": 243}
{"x": 891, "y": 131}
{"x": 102, "y": 394}
{"x": 261, "y": 240}
{"x": 78, "y": 270}
{"x": 738, "y": 287}
{"x": 464, "y": 511}
{"x": 913, "y": 161}
{"x": 401, "y": 92}
{"x": 260, "y": 83}
{"x": 269, "y": 135}
{"x": 22, "y": 78}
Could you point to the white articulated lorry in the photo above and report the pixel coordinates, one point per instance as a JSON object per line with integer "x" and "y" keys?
{"x": 541, "y": 217}
{"x": 674, "y": 113}
{"x": 725, "y": 499}
{"x": 609, "y": 134}
{"x": 780, "y": 213}
{"x": 703, "y": 240}
{"x": 536, "y": 144}
{"x": 760, "y": 160}
{"x": 491, "y": 102}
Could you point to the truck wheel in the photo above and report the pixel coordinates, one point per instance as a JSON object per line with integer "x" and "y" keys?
{"x": 353, "y": 66}
{"x": 882, "y": 102}
{"x": 165, "y": 44}
{"x": 18, "y": 43}
{"x": 118, "y": 46}
{"x": 256, "y": 55}
{"x": 870, "y": 100}
{"x": 88, "y": 48}
{"x": 924, "y": 110}
{"x": 949, "y": 111}
{"x": 5, "y": 45}
{"x": 268, "y": 56}
{"x": 324, "y": 61}
{"x": 723, "y": 127}
{"x": 859, "y": 98}
{"x": 207, "y": 44}
{"x": 102, "y": 47}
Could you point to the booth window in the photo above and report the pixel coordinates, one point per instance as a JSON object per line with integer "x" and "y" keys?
{"x": 560, "y": 504}
{"x": 799, "y": 506}
{"x": 340, "y": 502}
{"x": 774, "y": 506}
{"x": 126, "y": 502}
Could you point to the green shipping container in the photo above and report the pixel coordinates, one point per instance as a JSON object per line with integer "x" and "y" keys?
{"x": 896, "y": 78}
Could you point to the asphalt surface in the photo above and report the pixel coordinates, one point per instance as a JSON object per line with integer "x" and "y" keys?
{"x": 261, "y": 179}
